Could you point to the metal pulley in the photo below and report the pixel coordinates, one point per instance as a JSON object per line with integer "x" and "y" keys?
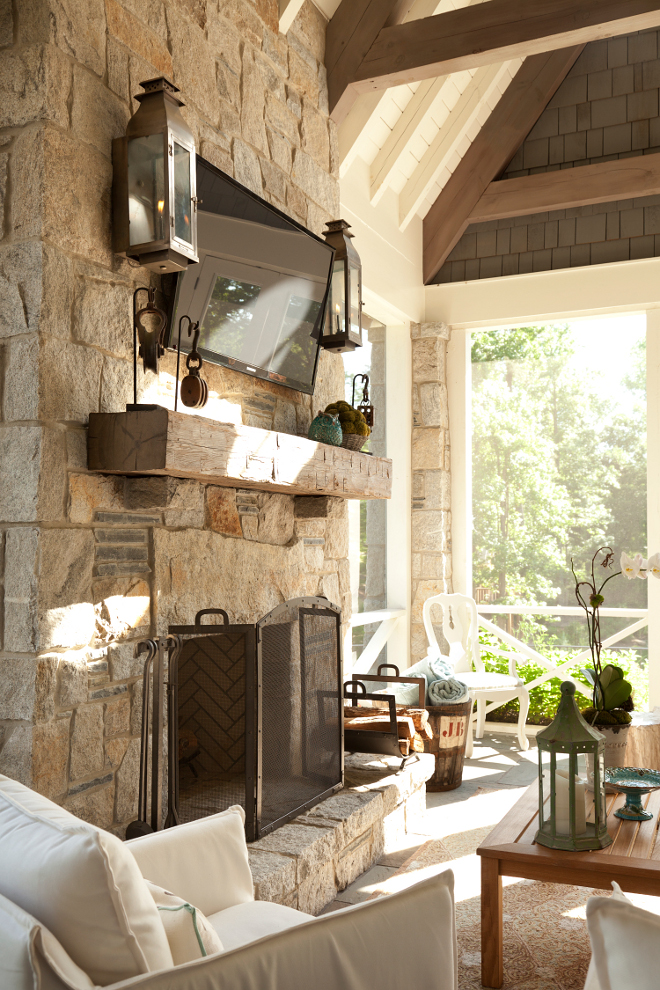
{"x": 193, "y": 390}
{"x": 152, "y": 346}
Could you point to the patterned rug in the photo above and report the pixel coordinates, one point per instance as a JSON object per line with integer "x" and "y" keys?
{"x": 546, "y": 945}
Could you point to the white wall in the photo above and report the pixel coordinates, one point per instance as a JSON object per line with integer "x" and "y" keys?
{"x": 393, "y": 293}
{"x": 391, "y": 259}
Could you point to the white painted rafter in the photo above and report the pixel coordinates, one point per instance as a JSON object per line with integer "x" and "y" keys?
{"x": 421, "y": 115}
{"x": 369, "y": 107}
{"x": 403, "y": 133}
{"x": 451, "y": 140}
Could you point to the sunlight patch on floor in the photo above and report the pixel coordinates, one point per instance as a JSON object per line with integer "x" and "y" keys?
{"x": 477, "y": 811}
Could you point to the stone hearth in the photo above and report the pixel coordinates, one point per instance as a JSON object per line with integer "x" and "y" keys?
{"x": 305, "y": 863}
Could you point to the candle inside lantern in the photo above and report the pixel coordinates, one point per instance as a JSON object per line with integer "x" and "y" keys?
{"x": 337, "y": 317}
{"x": 562, "y": 810}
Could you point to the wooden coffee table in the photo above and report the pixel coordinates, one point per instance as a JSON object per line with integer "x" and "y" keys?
{"x": 633, "y": 860}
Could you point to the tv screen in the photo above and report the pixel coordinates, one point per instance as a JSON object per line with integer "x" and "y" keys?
{"x": 259, "y": 290}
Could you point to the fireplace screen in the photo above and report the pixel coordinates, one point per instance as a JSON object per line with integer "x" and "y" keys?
{"x": 259, "y": 715}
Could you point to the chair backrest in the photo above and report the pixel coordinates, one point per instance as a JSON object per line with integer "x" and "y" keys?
{"x": 460, "y": 627}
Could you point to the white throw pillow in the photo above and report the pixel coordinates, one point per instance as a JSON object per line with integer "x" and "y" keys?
{"x": 188, "y": 931}
{"x": 82, "y": 883}
{"x": 625, "y": 944}
{"x": 204, "y": 861}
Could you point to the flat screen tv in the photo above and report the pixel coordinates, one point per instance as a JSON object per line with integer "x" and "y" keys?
{"x": 260, "y": 289}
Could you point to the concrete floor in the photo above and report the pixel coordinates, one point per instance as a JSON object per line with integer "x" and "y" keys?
{"x": 493, "y": 781}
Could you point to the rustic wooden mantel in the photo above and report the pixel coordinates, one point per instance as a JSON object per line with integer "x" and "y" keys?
{"x": 156, "y": 441}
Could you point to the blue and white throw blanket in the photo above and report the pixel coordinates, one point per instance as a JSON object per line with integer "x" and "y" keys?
{"x": 446, "y": 689}
{"x": 442, "y": 686}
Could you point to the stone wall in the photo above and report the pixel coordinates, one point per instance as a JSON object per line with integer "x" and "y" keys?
{"x": 607, "y": 108}
{"x": 431, "y": 480}
{"x": 89, "y": 564}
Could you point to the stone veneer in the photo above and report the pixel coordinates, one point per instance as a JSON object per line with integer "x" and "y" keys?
{"x": 91, "y": 563}
{"x": 431, "y": 478}
{"x": 305, "y": 863}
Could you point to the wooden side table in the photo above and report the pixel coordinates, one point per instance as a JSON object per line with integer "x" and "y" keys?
{"x": 633, "y": 860}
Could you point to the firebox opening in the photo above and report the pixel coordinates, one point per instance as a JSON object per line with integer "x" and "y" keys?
{"x": 259, "y": 715}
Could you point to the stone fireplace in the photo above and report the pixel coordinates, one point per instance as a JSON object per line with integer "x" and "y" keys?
{"x": 91, "y": 563}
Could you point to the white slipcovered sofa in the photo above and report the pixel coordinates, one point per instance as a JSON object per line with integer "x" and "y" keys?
{"x": 625, "y": 942}
{"x": 77, "y": 911}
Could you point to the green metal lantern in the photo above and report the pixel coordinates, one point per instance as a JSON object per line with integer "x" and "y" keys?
{"x": 572, "y": 809}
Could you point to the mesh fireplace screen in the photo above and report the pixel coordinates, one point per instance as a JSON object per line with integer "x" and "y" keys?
{"x": 259, "y": 715}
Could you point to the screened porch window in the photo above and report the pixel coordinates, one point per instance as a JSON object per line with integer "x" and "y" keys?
{"x": 559, "y": 470}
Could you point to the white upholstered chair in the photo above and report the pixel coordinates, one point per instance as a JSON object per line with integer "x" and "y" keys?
{"x": 77, "y": 913}
{"x": 460, "y": 627}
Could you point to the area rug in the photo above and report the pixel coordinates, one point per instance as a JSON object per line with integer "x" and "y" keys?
{"x": 546, "y": 945}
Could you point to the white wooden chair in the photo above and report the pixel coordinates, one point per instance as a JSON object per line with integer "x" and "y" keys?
{"x": 460, "y": 626}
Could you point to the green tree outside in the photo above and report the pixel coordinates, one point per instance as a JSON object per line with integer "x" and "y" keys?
{"x": 559, "y": 469}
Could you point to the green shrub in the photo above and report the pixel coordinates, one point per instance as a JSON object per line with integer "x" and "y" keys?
{"x": 544, "y": 700}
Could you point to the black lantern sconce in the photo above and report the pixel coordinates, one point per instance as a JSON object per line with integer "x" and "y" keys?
{"x": 343, "y": 322}
{"x": 365, "y": 406}
{"x": 154, "y": 201}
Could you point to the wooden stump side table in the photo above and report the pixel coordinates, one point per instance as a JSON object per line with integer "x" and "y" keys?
{"x": 633, "y": 860}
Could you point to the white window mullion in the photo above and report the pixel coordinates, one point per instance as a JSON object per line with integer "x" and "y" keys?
{"x": 653, "y": 493}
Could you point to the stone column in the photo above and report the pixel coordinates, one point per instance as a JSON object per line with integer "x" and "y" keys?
{"x": 431, "y": 488}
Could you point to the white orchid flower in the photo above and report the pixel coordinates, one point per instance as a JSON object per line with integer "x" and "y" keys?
{"x": 631, "y": 568}
{"x": 653, "y": 565}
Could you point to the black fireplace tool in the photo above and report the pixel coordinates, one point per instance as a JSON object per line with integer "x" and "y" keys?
{"x": 153, "y": 708}
{"x": 387, "y": 741}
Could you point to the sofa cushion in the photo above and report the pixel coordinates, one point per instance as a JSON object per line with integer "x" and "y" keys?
{"x": 189, "y": 932}
{"x": 81, "y": 883}
{"x": 245, "y": 923}
{"x": 204, "y": 861}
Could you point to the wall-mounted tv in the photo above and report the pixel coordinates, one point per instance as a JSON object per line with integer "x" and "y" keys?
{"x": 260, "y": 288}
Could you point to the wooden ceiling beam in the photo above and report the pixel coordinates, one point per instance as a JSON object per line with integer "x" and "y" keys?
{"x": 351, "y": 32}
{"x": 604, "y": 182}
{"x": 508, "y": 125}
{"x": 368, "y": 46}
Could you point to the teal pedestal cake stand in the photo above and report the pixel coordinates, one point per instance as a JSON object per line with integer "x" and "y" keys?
{"x": 633, "y": 782}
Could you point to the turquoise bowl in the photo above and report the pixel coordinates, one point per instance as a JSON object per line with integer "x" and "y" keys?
{"x": 326, "y": 428}
{"x": 633, "y": 782}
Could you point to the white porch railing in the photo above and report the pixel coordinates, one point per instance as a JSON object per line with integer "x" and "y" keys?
{"x": 522, "y": 652}
{"x": 388, "y": 619}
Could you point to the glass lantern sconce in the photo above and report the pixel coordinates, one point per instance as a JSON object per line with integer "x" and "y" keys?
{"x": 154, "y": 201}
{"x": 572, "y": 808}
{"x": 343, "y": 321}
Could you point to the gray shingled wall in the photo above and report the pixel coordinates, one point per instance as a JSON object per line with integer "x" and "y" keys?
{"x": 607, "y": 107}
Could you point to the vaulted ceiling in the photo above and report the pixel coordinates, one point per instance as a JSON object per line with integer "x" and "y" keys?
{"x": 436, "y": 98}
